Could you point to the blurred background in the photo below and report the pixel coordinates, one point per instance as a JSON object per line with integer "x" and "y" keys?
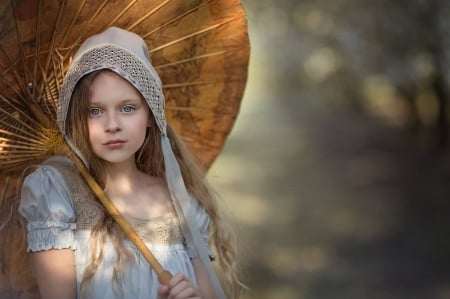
{"x": 336, "y": 176}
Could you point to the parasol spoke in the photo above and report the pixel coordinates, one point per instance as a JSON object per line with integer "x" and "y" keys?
{"x": 193, "y": 139}
{"x": 36, "y": 51}
{"x": 81, "y": 32}
{"x": 12, "y": 160}
{"x": 11, "y": 141}
{"x": 23, "y": 113}
{"x": 177, "y": 18}
{"x": 148, "y": 14}
{"x": 47, "y": 96}
{"x": 18, "y": 78}
{"x": 51, "y": 62}
{"x": 122, "y": 12}
{"x": 194, "y": 34}
{"x": 58, "y": 72}
{"x": 186, "y": 84}
{"x": 88, "y": 23}
{"x": 190, "y": 59}
{"x": 24, "y": 135}
{"x": 9, "y": 158}
{"x": 5, "y": 146}
{"x": 194, "y": 109}
{"x": 27, "y": 141}
{"x": 26, "y": 71}
{"x": 70, "y": 26}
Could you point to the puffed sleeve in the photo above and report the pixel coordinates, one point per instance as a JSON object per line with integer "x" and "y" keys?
{"x": 47, "y": 206}
{"x": 202, "y": 219}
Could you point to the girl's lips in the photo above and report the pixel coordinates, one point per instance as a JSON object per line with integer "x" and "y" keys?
{"x": 112, "y": 144}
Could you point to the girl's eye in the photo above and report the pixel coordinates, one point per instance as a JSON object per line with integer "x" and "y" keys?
{"x": 94, "y": 111}
{"x": 128, "y": 109}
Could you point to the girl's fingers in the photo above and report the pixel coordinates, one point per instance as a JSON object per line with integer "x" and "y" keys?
{"x": 176, "y": 279}
{"x": 181, "y": 287}
{"x": 184, "y": 294}
{"x": 163, "y": 291}
{"x": 182, "y": 290}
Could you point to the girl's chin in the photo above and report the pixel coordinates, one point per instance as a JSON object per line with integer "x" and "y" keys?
{"x": 117, "y": 160}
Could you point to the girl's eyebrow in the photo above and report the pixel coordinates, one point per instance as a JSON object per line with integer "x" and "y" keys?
{"x": 130, "y": 101}
{"x": 122, "y": 102}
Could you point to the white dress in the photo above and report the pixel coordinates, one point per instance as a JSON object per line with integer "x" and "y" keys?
{"x": 60, "y": 211}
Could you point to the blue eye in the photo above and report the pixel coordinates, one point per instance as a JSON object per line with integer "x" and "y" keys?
{"x": 94, "y": 111}
{"x": 128, "y": 109}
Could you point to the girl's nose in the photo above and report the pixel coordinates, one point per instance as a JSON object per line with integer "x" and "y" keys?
{"x": 112, "y": 123}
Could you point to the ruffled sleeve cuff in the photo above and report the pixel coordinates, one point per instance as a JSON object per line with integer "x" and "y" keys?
{"x": 50, "y": 238}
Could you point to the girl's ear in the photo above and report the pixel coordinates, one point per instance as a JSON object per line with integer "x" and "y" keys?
{"x": 149, "y": 123}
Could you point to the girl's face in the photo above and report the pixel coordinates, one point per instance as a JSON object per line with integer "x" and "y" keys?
{"x": 118, "y": 118}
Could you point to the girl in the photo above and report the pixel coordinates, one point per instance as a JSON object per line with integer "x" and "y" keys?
{"x": 111, "y": 114}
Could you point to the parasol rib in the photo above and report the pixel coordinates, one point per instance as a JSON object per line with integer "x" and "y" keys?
{"x": 37, "y": 50}
{"x": 51, "y": 58}
{"x": 159, "y": 28}
{"x": 5, "y": 148}
{"x": 91, "y": 20}
{"x": 88, "y": 24}
{"x": 21, "y": 51}
{"x": 21, "y": 112}
{"x": 6, "y": 113}
{"x": 31, "y": 138}
{"x": 4, "y": 143}
{"x": 151, "y": 12}
{"x": 13, "y": 163}
{"x": 70, "y": 26}
{"x": 191, "y": 109}
{"x": 122, "y": 12}
{"x": 185, "y": 84}
{"x": 201, "y": 31}
{"x": 18, "y": 78}
{"x": 191, "y": 59}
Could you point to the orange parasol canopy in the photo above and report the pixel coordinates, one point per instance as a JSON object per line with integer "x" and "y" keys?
{"x": 199, "y": 48}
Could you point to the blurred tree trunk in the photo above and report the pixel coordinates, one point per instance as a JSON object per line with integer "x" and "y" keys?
{"x": 439, "y": 48}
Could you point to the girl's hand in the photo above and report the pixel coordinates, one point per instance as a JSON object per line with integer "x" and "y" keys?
{"x": 179, "y": 287}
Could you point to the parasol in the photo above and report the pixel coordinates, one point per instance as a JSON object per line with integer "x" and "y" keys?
{"x": 199, "y": 48}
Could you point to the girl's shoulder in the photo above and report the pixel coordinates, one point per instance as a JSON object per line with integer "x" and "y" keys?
{"x": 54, "y": 175}
{"x": 50, "y": 173}
{"x": 57, "y": 183}
{"x": 62, "y": 164}
{"x": 45, "y": 195}
{"x": 52, "y": 165}
{"x": 88, "y": 211}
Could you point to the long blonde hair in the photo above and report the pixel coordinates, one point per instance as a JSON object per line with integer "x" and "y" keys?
{"x": 149, "y": 159}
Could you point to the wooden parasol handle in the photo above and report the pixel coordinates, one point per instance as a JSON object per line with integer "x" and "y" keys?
{"x": 164, "y": 276}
